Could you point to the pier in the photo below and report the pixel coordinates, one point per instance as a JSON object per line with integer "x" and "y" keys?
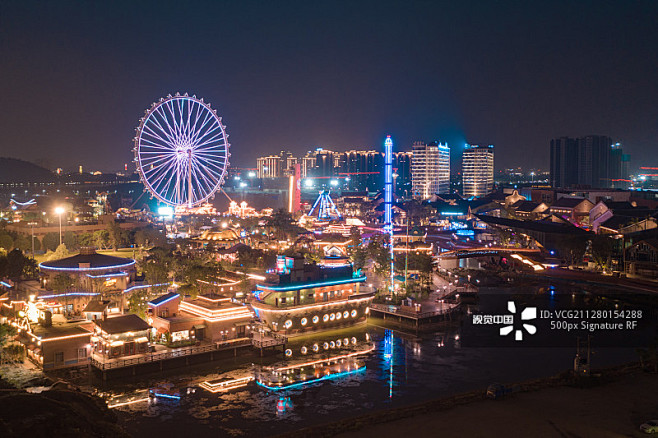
{"x": 399, "y": 314}
{"x": 180, "y": 356}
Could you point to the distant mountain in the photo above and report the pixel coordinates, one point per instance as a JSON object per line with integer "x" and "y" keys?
{"x": 13, "y": 170}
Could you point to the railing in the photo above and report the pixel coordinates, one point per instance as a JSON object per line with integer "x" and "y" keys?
{"x": 104, "y": 363}
{"x": 270, "y": 340}
{"x": 395, "y": 310}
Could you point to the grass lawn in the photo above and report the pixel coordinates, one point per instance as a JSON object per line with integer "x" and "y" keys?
{"x": 121, "y": 252}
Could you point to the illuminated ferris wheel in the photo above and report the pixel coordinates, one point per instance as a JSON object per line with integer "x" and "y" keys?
{"x": 181, "y": 150}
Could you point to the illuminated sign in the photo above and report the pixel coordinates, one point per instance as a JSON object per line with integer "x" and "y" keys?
{"x": 166, "y": 211}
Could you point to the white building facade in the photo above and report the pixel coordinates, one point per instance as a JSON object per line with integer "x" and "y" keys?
{"x": 430, "y": 169}
{"x": 477, "y": 170}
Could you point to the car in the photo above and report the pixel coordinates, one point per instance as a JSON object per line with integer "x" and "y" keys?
{"x": 650, "y": 426}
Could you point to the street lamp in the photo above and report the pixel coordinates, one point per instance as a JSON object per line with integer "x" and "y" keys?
{"x": 59, "y": 211}
{"x": 32, "y": 224}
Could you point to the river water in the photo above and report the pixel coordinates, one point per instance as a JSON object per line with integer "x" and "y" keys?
{"x": 402, "y": 369}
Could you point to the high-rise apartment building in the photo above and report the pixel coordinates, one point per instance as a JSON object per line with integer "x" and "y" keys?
{"x": 477, "y": 170}
{"x": 362, "y": 170}
{"x": 402, "y": 168}
{"x": 269, "y": 167}
{"x": 275, "y": 166}
{"x": 592, "y": 161}
{"x": 430, "y": 169}
{"x": 564, "y": 162}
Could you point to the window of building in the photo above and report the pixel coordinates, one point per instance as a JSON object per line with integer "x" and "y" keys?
{"x": 59, "y": 357}
{"x": 82, "y": 353}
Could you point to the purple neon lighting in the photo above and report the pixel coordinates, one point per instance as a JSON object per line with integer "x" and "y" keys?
{"x": 117, "y": 274}
{"x": 388, "y": 198}
{"x": 181, "y": 151}
{"x": 99, "y": 268}
{"x": 142, "y": 286}
{"x": 312, "y": 285}
{"x": 70, "y": 294}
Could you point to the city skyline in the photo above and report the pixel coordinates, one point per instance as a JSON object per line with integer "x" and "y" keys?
{"x": 475, "y": 75}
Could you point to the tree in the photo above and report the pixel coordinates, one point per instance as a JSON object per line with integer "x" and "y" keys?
{"x": 137, "y": 302}
{"x": 31, "y": 268}
{"x": 6, "y": 333}
{"x": 117, "y": 236}
{"x": 281, "y": 223}
{"x": 62, "y": 283}
{"x": 6, "y": 242}
{"x": 572, "y": 248}
{"x": 101, "y": 239}
{"x": 60, "y": 253}
{"x": 50, "y": 241}
{"x": 149, "y": 236}
{"x": 22, "y": 242}
{"x": 379, "y": 253}
{"x": 421, "y": 262}
{"x": 86, "y": 239}
{"x": 356, "y": 251}
{"x": 602, "y": 249}
{"x": 155, "y": 272}
{"x": 15, "y": 264}
{"x": 4, "y": 265}
{"x": 70, "y": 240}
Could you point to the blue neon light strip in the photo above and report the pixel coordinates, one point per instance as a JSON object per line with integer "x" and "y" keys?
{"x": 315, "y": 205}
{"x": 311, "y": 285}
{"x": 117, "y": 274}
{"x": 173, "y": 397}
{"x": 71, "y": 294}
{"x": 142, "y": 286}
{"x": 165, "y": 301}
{"x": 101, "y": 268}
{"x": 5, "y": 284}
{"x": 309, "y": 382}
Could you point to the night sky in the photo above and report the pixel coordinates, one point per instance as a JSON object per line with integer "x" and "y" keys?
{"x": 77, "y": 76}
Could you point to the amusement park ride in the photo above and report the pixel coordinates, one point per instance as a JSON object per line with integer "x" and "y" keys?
{"x": 182, "y": 154}
{"x": 181, "y": 151}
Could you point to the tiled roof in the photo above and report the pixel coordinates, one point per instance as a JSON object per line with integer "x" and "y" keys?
{"x": 122, "y": 324}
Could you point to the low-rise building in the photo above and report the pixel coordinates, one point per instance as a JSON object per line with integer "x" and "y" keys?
{"x": 529, "y": 210}
{"x": 99, "y": 309}
{"x": 208, "y": 317}
{"x": 642, "y": 258}
{"x": 575, "y": 210}
{"x": 91, "y": 271}
{"x": 60, "y": 345}
{"x": 123, "y": 335}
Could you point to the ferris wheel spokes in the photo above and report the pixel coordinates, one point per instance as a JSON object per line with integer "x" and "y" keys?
{"x": 181, "y": 151}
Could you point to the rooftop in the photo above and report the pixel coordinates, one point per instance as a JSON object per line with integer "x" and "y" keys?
{"x": 62, "y": 330}
{"x": 568, "y": 202}
{"x": 163, "y": 299}
{"x": 122, "y": 324}
{"x": 87, "y": 260}
{"x": 97, "y": 306}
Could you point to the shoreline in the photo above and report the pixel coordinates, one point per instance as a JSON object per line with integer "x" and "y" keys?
{"x": 389, "y": 417}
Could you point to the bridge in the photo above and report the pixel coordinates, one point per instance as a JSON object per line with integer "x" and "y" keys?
{"x": 485, "y": 251}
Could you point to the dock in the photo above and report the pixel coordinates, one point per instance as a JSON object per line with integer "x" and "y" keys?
{"x": 416, "y": 319}
{"x": 177, "y": 357}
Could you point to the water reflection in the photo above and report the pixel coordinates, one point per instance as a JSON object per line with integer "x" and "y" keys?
{"x": 382, "y": 369}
